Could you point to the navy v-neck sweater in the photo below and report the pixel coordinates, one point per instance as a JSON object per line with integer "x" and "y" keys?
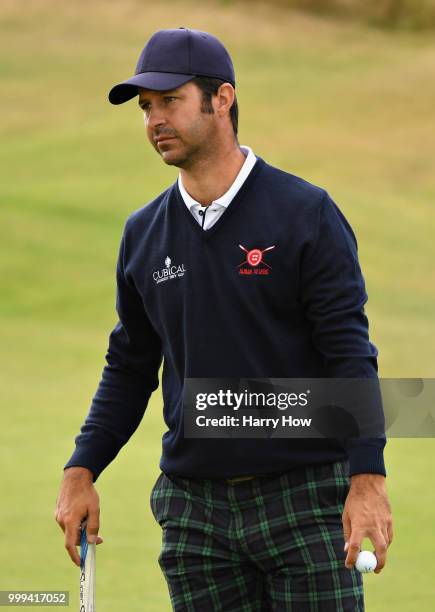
{"x": 221, "y": 303}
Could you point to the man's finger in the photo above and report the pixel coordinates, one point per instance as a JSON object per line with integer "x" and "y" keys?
{"x": 386, "y": 534}
{"x": 59, "y": 521}
{"x": 353, "y": 548}
{"x": 380, "y": 546}
{"x": 346, "y": 530}
{"x": 93, "y": 525}
{"x": 390, "y": 532}
{"x": 72, "y": 539}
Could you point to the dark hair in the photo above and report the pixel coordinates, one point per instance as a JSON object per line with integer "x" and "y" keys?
{"x": 209, "y": 87}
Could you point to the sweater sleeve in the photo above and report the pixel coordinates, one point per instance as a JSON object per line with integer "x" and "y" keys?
{"x": 333, "y": 296}
{"x": 128, "y": 380}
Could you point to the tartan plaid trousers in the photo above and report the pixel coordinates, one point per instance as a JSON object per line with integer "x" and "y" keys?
{"x": 271, "y": 543}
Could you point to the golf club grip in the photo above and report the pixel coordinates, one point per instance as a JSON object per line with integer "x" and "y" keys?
{"x": 87, "y": 573}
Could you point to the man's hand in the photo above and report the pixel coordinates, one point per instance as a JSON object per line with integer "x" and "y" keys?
{"x": 78, "y": 499}
{"x": 367, "y": 513}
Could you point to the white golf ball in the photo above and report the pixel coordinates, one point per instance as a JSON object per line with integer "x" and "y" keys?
{"x": 366, "y": 562}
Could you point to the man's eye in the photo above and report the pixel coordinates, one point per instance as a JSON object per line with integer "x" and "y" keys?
{"x": 146, "y": 106}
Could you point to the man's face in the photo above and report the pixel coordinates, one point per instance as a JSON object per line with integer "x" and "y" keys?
{"x": 176, "y": 127}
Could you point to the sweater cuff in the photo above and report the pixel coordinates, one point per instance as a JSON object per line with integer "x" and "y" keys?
{"x": 95, "y": 458}
{"x": 366, "y": 458}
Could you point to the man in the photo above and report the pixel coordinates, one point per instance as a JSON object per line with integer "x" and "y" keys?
{"x": 248, "y": 524}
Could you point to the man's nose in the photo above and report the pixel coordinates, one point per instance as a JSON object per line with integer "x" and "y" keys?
{"x": 155, "y": 117}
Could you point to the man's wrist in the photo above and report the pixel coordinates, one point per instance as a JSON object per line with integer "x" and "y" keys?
{"x": 78, "y": 473}
{"x": 367, "y": 481}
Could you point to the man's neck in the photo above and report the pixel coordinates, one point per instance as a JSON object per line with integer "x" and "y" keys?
{"x": 210, "y": 178}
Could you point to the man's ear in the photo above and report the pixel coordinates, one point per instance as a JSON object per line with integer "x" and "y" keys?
{"x": 224, "y": 99}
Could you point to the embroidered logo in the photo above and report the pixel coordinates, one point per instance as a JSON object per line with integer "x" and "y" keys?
{"x": 254, "y": 259}
{"x": 169, "y": 271}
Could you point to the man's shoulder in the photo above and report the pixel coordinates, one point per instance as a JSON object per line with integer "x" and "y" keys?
{"x": 284, "y": 181}
{"x": 147, "y": 214}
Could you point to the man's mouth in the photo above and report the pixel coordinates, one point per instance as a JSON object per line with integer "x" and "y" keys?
{"x": 164, "y": 139}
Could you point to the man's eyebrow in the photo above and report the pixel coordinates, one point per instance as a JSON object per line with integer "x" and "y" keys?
{"x": 143, "y": 101}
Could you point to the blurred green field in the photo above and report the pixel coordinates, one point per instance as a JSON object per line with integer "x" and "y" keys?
{"x": 346, "y": 107}
{"x": 389, "y": 14}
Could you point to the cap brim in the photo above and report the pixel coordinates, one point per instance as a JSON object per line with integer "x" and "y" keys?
{"x": 158, "y": 81}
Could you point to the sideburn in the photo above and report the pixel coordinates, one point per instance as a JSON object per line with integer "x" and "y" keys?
{"x": 206, "y": 105}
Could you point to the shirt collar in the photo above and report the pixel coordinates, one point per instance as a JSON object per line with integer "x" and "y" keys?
{"x": 225, "y": 199}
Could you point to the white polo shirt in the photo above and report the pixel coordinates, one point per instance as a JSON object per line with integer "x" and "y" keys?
{"x": 208, "y": 215}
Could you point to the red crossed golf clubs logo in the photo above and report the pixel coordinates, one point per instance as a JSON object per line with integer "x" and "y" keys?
{"x": 254, "y": 257}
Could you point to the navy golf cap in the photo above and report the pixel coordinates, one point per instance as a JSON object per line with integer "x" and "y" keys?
{"x": 173, "y": 57}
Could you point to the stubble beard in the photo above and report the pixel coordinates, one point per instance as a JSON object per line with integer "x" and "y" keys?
{"x": 183, "y": 159}
{"x": 198, "y": 150}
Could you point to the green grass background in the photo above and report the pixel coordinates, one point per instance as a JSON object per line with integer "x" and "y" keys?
{"x": 389, "y": 14}
{"x": 346, "y": 106}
